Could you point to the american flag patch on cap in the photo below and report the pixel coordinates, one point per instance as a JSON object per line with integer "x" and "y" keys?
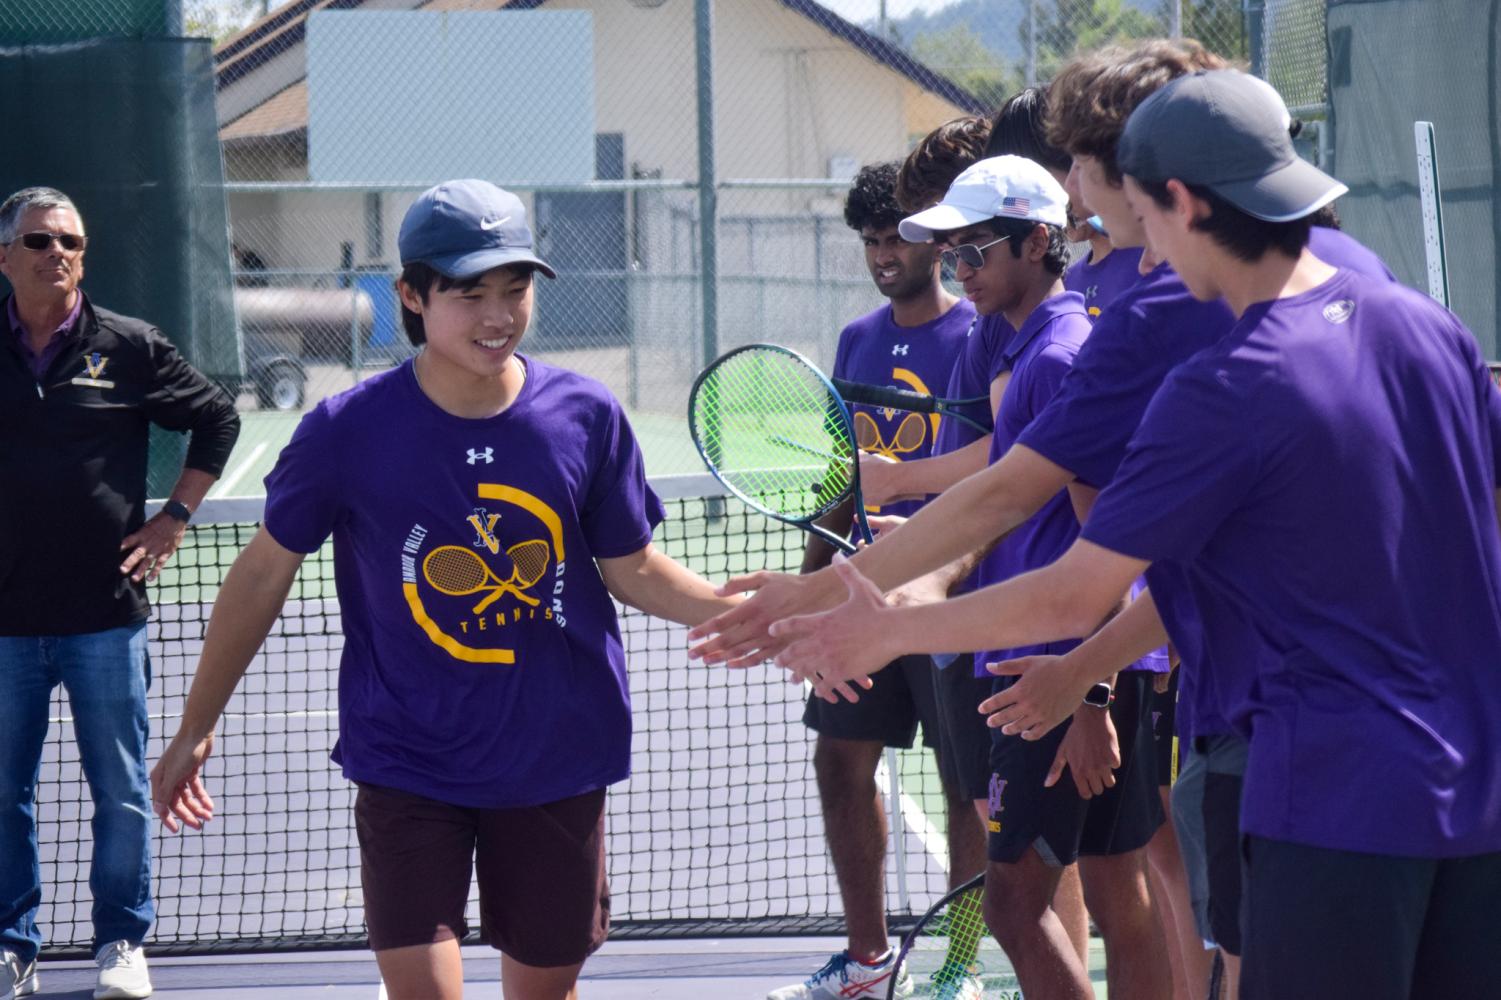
{"x": 1015, "y": 206}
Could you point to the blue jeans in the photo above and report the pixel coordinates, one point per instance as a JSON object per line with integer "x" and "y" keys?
{"x": 106, "y": 675}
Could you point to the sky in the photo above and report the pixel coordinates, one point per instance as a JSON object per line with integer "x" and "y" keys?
{"x": 866, "y": 10}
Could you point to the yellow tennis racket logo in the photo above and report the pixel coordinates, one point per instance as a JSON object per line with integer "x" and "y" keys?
{"x": 910, "y": 435}
{"x": 459, "y": 572}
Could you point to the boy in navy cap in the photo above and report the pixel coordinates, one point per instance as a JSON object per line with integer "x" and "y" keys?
{"x": 1325, "y": 476}
{"x": 487, "y": 510}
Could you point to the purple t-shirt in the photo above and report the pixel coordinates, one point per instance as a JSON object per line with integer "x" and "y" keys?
{"x": 1328, "y": 470}
{"x": 1188, "y": 601}
{"x": 1102, "y": 283}
{"x": 875, "y": 350}
{"x": 1038, "y": 356}
{"x": 981, "y": 359}
{"x": 1340, "y": 250}
{"x": 482, "y": 662}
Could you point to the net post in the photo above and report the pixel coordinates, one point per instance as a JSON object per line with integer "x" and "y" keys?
{"x": 898, "y": 828}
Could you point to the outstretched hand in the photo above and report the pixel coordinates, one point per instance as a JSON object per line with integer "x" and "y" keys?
{"x": 177, "y": 791}
{"x": 741, "y": 637}
{"x": 1089, "y": 751}
{"x": 837, "y": 649}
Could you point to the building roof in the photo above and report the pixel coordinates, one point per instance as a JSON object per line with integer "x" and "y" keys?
{"x": 286, "y": 27}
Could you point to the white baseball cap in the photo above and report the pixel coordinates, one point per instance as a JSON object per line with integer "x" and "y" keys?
{"x": 1005, "y": 187}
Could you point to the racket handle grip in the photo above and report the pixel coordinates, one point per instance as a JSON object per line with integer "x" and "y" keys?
{"x": 896, "y": 399}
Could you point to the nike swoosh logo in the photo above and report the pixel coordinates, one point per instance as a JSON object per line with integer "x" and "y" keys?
{"x": 493, "y": 223}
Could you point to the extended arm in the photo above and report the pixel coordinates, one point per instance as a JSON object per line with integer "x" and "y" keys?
{"x": 1066, "y": 599}
{"x": 252, "y": 596}
{"x": 653, "y": 582}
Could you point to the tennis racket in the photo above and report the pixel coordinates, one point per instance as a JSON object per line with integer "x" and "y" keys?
{"x": 773, "y": 429}
{"x": 950, "y": 954}
{"x": 893, "y": 398}
{"x": 459, "y": 572}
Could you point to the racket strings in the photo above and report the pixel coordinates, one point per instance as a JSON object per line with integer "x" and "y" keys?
{"x": 771, "y": 428}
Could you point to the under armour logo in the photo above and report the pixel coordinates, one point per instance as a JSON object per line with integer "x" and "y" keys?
{"x": 899, "y": 349}
{"x": 1092, "y": 291}
{"x": 487, "y": 456}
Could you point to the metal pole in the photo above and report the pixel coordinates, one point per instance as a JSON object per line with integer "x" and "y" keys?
{"x": 1176, "y": 28}
{"x": 1255, "y": 19}
{"x": 708, "y": 195}
{"x": 172, "y": 18}
{"x": 898, "y": 829}
{"x": 1031, "y": 43}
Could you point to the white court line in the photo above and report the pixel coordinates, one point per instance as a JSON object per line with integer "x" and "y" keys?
{"x": 233, "y": 479}
{"x": 933, "y": 840}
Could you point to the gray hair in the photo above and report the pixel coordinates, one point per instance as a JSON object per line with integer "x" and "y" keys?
{"x": 23, "y": 201}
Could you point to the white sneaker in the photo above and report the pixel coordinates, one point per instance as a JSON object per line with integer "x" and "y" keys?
{"x": 122, "y": 972}
{"x": 843, "y": 978}
{"x": 961, "y": 986}
{"x": 17, "y": 980}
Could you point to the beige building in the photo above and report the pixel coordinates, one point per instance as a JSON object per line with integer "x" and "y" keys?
{"x": 799, "y": 93}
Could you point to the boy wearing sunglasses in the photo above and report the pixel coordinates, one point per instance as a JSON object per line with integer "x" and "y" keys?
{"x": 1002, "y": 224}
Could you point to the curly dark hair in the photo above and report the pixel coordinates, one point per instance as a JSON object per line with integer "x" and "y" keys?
{"x": 941, "y": 156}
{"x": 872, "y": 198}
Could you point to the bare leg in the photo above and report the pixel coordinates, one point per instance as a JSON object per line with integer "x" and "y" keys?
{"x": 1115, "y": 889}
{"x": 966, "y": 836}
{"x": 1190, "y": 960}
{"x": 854, "y": 821}
{"x": 1232, "y": 977}
{"x": 1068, "y": 903}
{"x": 530, "y": 982}
{"x": 1019, "y": 914}
{"x": 423, "y": 971}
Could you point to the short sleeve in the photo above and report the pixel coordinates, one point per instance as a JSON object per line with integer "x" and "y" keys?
{"x": 1045, "y": 375}
{"x": 303, "y": 499}
{"x": 1190, "y": 464}
{"x": 620, "y": 510}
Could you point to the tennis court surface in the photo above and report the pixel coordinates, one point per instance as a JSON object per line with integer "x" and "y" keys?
{"x": 717, "y": 860}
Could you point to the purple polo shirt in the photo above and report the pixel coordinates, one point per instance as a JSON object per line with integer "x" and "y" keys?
{"x": 1038, "y": 355}
{"x": 40, "y": 362}
{"x": 1102, "y": 283}
{"x": 1327, "y": 470}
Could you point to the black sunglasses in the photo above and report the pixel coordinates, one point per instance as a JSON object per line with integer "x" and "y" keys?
{"x": 40, "y": 241}
{"x": 969, "y": 254}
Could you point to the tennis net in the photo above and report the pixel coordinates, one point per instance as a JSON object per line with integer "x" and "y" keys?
{"x": 717, "y": 832}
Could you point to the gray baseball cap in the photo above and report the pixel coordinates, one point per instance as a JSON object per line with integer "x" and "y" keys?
{"x": 1226, "y": 131}
{"x": 464, "y": 228}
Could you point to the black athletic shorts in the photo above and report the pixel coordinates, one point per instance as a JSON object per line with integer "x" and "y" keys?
{"x": 964, "y": 738}
{"x": 1325, "y": 923}
{"x": 888, "y": 713}
{"x": 1225, "y": 767}
{"x": 1164, "y": 729}
{"x": 1056, "y": 820}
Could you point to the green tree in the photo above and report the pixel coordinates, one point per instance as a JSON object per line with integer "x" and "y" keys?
{"x": 959, "y": 54}
{"x": 218, "y": 19}
{"x": 1068, "y": 27}
{"x": 1219, "y": 24}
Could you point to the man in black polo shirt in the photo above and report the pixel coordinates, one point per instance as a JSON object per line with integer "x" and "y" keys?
{"x": 79, "y": 389}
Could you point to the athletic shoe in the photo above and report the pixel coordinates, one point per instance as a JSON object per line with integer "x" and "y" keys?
{"x": 843, "y": 978}
{"x": 122, "y": 972}
{"x": 960, "y": 987}
{"x": 17, "y": 980}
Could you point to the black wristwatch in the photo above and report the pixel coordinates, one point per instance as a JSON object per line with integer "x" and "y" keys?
{"x": 177, "y": 510}
{"x": 1099, "y": 696}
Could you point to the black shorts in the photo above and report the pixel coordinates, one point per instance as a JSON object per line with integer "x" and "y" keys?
{"x": 888, "y": 713}
{"x": 1057, "y": 821}
{"x": 963, "y": 736}
{"x": 1164, "y": 729}
{"x": 1326, "y": 923}
{"x": 543, "y": 896}
{"x": 1225, "y": 767}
